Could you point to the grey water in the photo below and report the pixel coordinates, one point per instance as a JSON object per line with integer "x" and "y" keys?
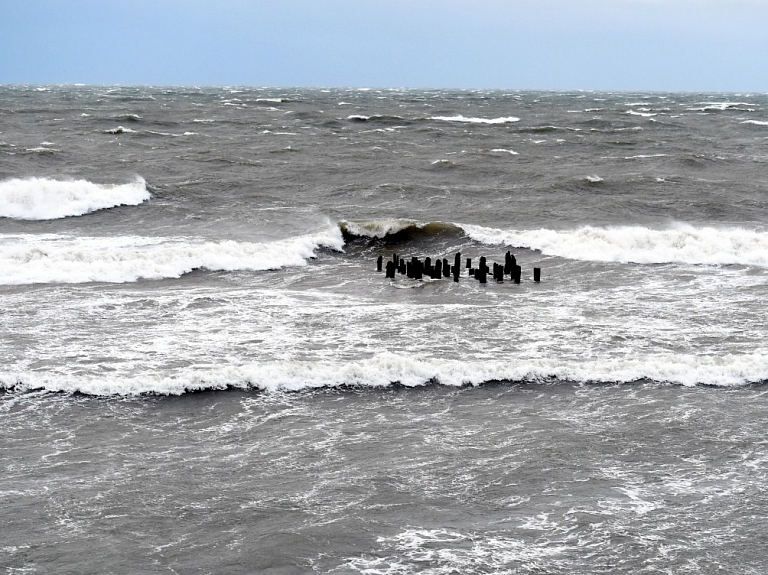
{"x": 202, "y": 372}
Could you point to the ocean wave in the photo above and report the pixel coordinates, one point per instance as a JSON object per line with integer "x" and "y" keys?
{"x": 120, "y": 130}
{"x": 31, "y": 259}
{"x": 127, "y": 117}
{"x": 755, "y": 122}
{"x": 395, "y": 229}
{"x": 720, "y": 106}
{"x": 46, "y": 199}
{"x": 504, "y": 150}
{"x": 460, "y": 118}
{"x": 386, "y": 369}
{"x": 374, "y": 118}
{"x": 637, "y": 244}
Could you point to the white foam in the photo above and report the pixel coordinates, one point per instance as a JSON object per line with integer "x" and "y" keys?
{"x": 637, "y": 244}
{"x": 46, "y": 199}
{"x": 717, "y": 106}
{"x": 120, "y": 130}
{"x": 29, "y": 259}
{"x": 384, "y": 369}
{"x": 504, "y": 150}
{"x": 593, "y": 179}
{"x": 756, "y": 122}
{"x": 460, "y": 118}
{"x": 273, "y": 100}
{"x": 643, "y": 114}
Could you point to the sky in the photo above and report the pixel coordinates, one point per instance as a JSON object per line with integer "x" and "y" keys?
{"x": 650, "y": 45}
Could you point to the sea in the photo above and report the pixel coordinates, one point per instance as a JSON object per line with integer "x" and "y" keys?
{"x": 203, "y": 371}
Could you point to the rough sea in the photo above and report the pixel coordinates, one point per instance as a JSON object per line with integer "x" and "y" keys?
{"x": 201, "y": 370}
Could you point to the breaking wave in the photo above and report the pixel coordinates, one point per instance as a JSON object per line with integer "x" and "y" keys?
{"x": 386, "y": 369}
{"x": 395, "y": 229}
{"x": 46, "y": 199}
{"x": 460, "y": 118}
{"x": 30, "y": 259}
{"x": 637, "y": 244}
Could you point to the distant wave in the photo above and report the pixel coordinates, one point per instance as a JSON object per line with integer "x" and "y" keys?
{"x": 395, "y": 229}
{"x": 460, "y": 118}
{"x": 46, "y": 199}
{"x": 755, "y": 122}
{"x": 720, "y": 106}
{"x": 386, "y": 369}
{"x": 30, "y": 259}
{"x": 120, "y": 130}
{"x": 374, "y": 118}
{"x": 638, "y": 244}
{"x": 127, "y": 117}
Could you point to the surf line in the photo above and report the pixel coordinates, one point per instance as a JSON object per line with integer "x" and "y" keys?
{"x": 418, "y": 269}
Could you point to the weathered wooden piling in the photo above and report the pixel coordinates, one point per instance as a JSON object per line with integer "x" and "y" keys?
{"x": 517, "y": 274}
{"x": 379, "y": 263}
{"x": 402, "y": 268}
{"x": 446, "y": 269}
{"x": 391, "y": 270}
{"x": 537, "y": 274}
{"x": 457, "y": 260}
{"x": 469, "y": 263}
{"x": 456, "y": 271}
{"x": 438, "y": 269}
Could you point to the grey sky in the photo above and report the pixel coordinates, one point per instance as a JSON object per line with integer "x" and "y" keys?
{"x": 691, "y": 45}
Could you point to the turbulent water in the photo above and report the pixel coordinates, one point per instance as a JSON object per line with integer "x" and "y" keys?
{"x": 201, "y": 370}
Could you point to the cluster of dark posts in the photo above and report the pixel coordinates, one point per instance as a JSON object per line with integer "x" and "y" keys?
{"x": 418, "y": 269}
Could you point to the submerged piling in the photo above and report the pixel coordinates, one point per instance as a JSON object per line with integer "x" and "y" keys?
{"x": 537, "y": 274}
{"x": 391, "y": 270}
{"x": 379, "y": 263}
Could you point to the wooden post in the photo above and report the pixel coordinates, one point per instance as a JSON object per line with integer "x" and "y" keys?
{"x": 379, "y": 263}
{"x": 537, "y": 274}
{"x": 391, "y": 270}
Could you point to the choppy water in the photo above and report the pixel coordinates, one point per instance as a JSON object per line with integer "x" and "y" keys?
{"x": 174, "y": 261}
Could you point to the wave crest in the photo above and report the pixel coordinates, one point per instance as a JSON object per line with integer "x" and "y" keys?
{"x": 386, "y": 369}
{"x": 460, "y": 118}
{"x": 46, "y": 199}
{"x": 637, "y": 244}
{"x": 29, "y": 259}
{"x": 395, "y": 229}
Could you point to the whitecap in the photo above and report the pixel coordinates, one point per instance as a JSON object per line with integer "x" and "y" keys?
{"x": 460, "y": 118}
{"x": 30, "y": 259}
{"x": 638, "y": 244}
{"x": 46, "y": 199}
{"x": 385, "y": 369}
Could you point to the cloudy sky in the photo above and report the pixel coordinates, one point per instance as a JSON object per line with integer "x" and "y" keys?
{"x": 692, "y": 45}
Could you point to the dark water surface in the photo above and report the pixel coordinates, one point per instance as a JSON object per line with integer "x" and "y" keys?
{"x": 552, "y": 478}
{"x": 202, "y": 372}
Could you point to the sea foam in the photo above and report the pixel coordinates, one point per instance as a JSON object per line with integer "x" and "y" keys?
{"x": 638, "y": 244}
{"x": 460, "y": 118}
{"x": 29, "y": 259}
{"x": 385, "y": 369}
{"x": 46, "y": 199}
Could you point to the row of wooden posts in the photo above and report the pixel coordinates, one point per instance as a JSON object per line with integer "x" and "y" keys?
{"x": 417, "y": 269}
